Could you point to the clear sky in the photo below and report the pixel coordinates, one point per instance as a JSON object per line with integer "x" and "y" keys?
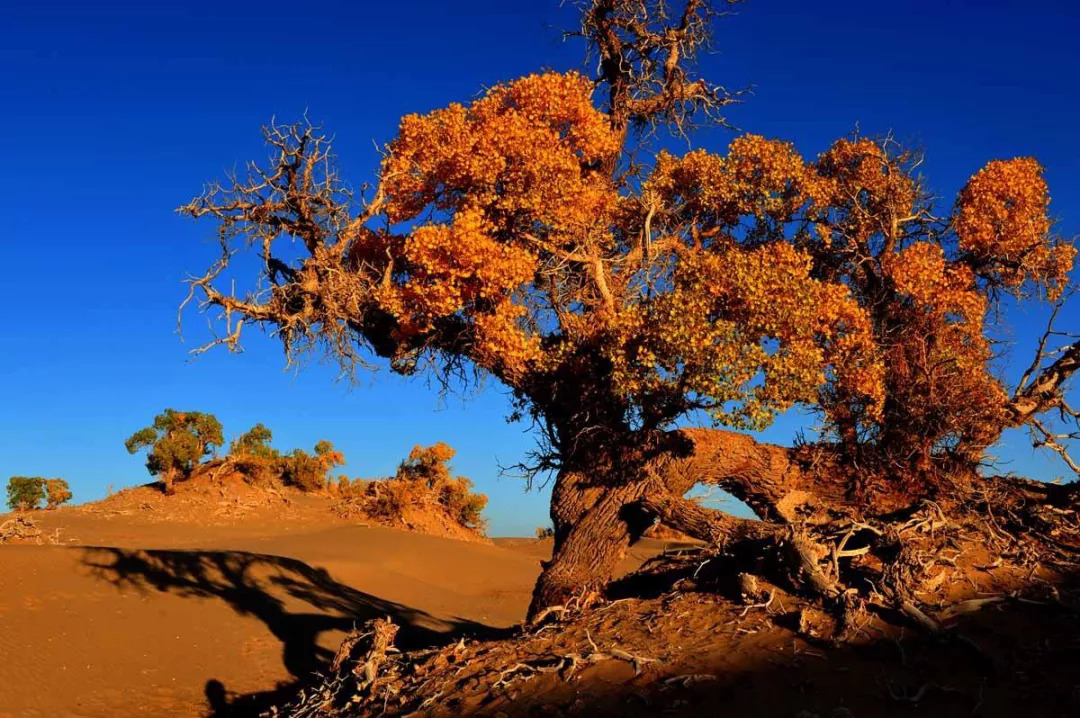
{"x": 115, "y": 113}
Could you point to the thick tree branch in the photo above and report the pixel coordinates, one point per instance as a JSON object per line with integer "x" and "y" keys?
{"x": 709, "y": 525}
{"x": 1046, "y": 390}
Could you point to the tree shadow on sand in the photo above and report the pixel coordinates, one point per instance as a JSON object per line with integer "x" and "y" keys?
{"x": 296, "y": 602}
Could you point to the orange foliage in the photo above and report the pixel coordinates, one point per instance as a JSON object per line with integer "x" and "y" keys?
{"x": 57, "y": 492}
{"x": 758, "y": 314}
{"x": 535, "y": 236}
{"x": 1002, "y": 224}
{"x": 503, "y": 234}
{"x": 423, "y": 482}
{"x": 758, "y": 177}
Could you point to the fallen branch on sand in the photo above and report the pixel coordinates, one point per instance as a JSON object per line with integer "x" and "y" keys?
{"x": 20, "y": 528}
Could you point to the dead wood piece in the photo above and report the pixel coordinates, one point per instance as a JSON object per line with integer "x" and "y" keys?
{"x": 539, "y": 618}
{"x": 376, "y": 640}
{"x": 749, "y": 589}
{"x": 917, "y": 615}
{"x": 972, "y": 605}
{"x": 806, "y": 574}
{"x": 637, "y": 661}
{"x": 20, "y": 528}
{"x": 689, "y": 679}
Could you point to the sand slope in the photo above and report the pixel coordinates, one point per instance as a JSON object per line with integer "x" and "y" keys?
{"x": 134, "y": 617}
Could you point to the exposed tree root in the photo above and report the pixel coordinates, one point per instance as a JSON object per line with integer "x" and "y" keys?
{"x": 855, "y": 564}
{"x": 830, "y": 572}
{"x": 660, "y": 655}
{"x": 362, "y": 671}
{"x": 20, "y": 528}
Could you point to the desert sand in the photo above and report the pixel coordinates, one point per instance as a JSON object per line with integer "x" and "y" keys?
{"x": 129, "y": 614}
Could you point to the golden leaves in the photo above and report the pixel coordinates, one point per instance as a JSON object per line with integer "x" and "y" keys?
{"x": 753, "y": 328}
{"x": 455, "y": 267}
{"x": 747, "y": 324}
{"x": 1004, "y": 228}
{"x": 758, "y": 177}
{"x": 945, "y": 289}
{"x": 527, "y": 152}
{"x": 505, "y": 181}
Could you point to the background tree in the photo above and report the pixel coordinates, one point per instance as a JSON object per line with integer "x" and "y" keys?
{"x": 529, "y": 237}
{"x": 25, "y": 493}
{"x": 429, "y": 466}
{"x": 57, "y": 492}
{"x": 176, "y": 443}
{"x": 254, "y": 442}
{"x": 310, "y": 472}
{"x": 423, "y": 484}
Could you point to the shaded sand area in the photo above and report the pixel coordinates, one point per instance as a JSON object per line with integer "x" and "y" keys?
{"x": 129, "y": 615}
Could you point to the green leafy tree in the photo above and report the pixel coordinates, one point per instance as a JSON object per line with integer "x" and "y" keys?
{"x": 308, "y": 472}
{"x": 176, "y": 442}
{"x": 255, "y": 442}
{"x": 25, "y": 492}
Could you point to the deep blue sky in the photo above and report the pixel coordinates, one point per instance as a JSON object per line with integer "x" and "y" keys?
{"x": 115, "y": 113}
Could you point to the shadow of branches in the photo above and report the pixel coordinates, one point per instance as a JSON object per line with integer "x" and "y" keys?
{"x": 295, "y": 601}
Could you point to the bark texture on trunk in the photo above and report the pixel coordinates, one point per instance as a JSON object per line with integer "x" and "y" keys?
{"x": 765, "y": 477}
{"x": 571, "y": 498}
{"x": 168, "y": 478}
{"x": 692, "y": 519}
{"x": 593, "y": 529}
{"x": 596, "y": 524}
{"x": 1045, "y": 390}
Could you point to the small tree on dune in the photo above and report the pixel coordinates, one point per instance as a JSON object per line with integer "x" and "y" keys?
{"x": 254, "y": 457}
{"x": 57, "y": 492}
{"x": 254, "y": 442}
{"x": 429, "y": 467}
{"x": 424, "y": 480}
{"x": 310, "y": 472}
{"x": 535, "y": 235}
{"x": 176, "y": 443}
{"x": 25, "y": 492}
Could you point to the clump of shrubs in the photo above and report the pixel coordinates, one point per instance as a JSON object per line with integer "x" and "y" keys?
{"x": 545, "y": 532}
{"x": 26, "y": 493}
{"x": 261, "y": 464}
{"x": 423, "y": 482}
{"x": 310, "y": 472}
{"x": 183, "y": 444}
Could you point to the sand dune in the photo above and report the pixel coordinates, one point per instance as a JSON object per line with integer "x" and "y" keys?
{"x": 145, "y": 618}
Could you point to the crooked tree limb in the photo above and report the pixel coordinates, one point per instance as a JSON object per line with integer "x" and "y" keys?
{"x": 1045, "y": 391}
{"x": 1042, "y": 388}
{"x": 765, "y": 477}
{"x": 799, "y": 553}
{"x": 713, "y": 527}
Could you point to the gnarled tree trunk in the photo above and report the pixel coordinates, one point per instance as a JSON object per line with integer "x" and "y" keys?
{"x": 168, "y": 481}
{"x": 765, "y": 477}
{"x": 595, "y": 525}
